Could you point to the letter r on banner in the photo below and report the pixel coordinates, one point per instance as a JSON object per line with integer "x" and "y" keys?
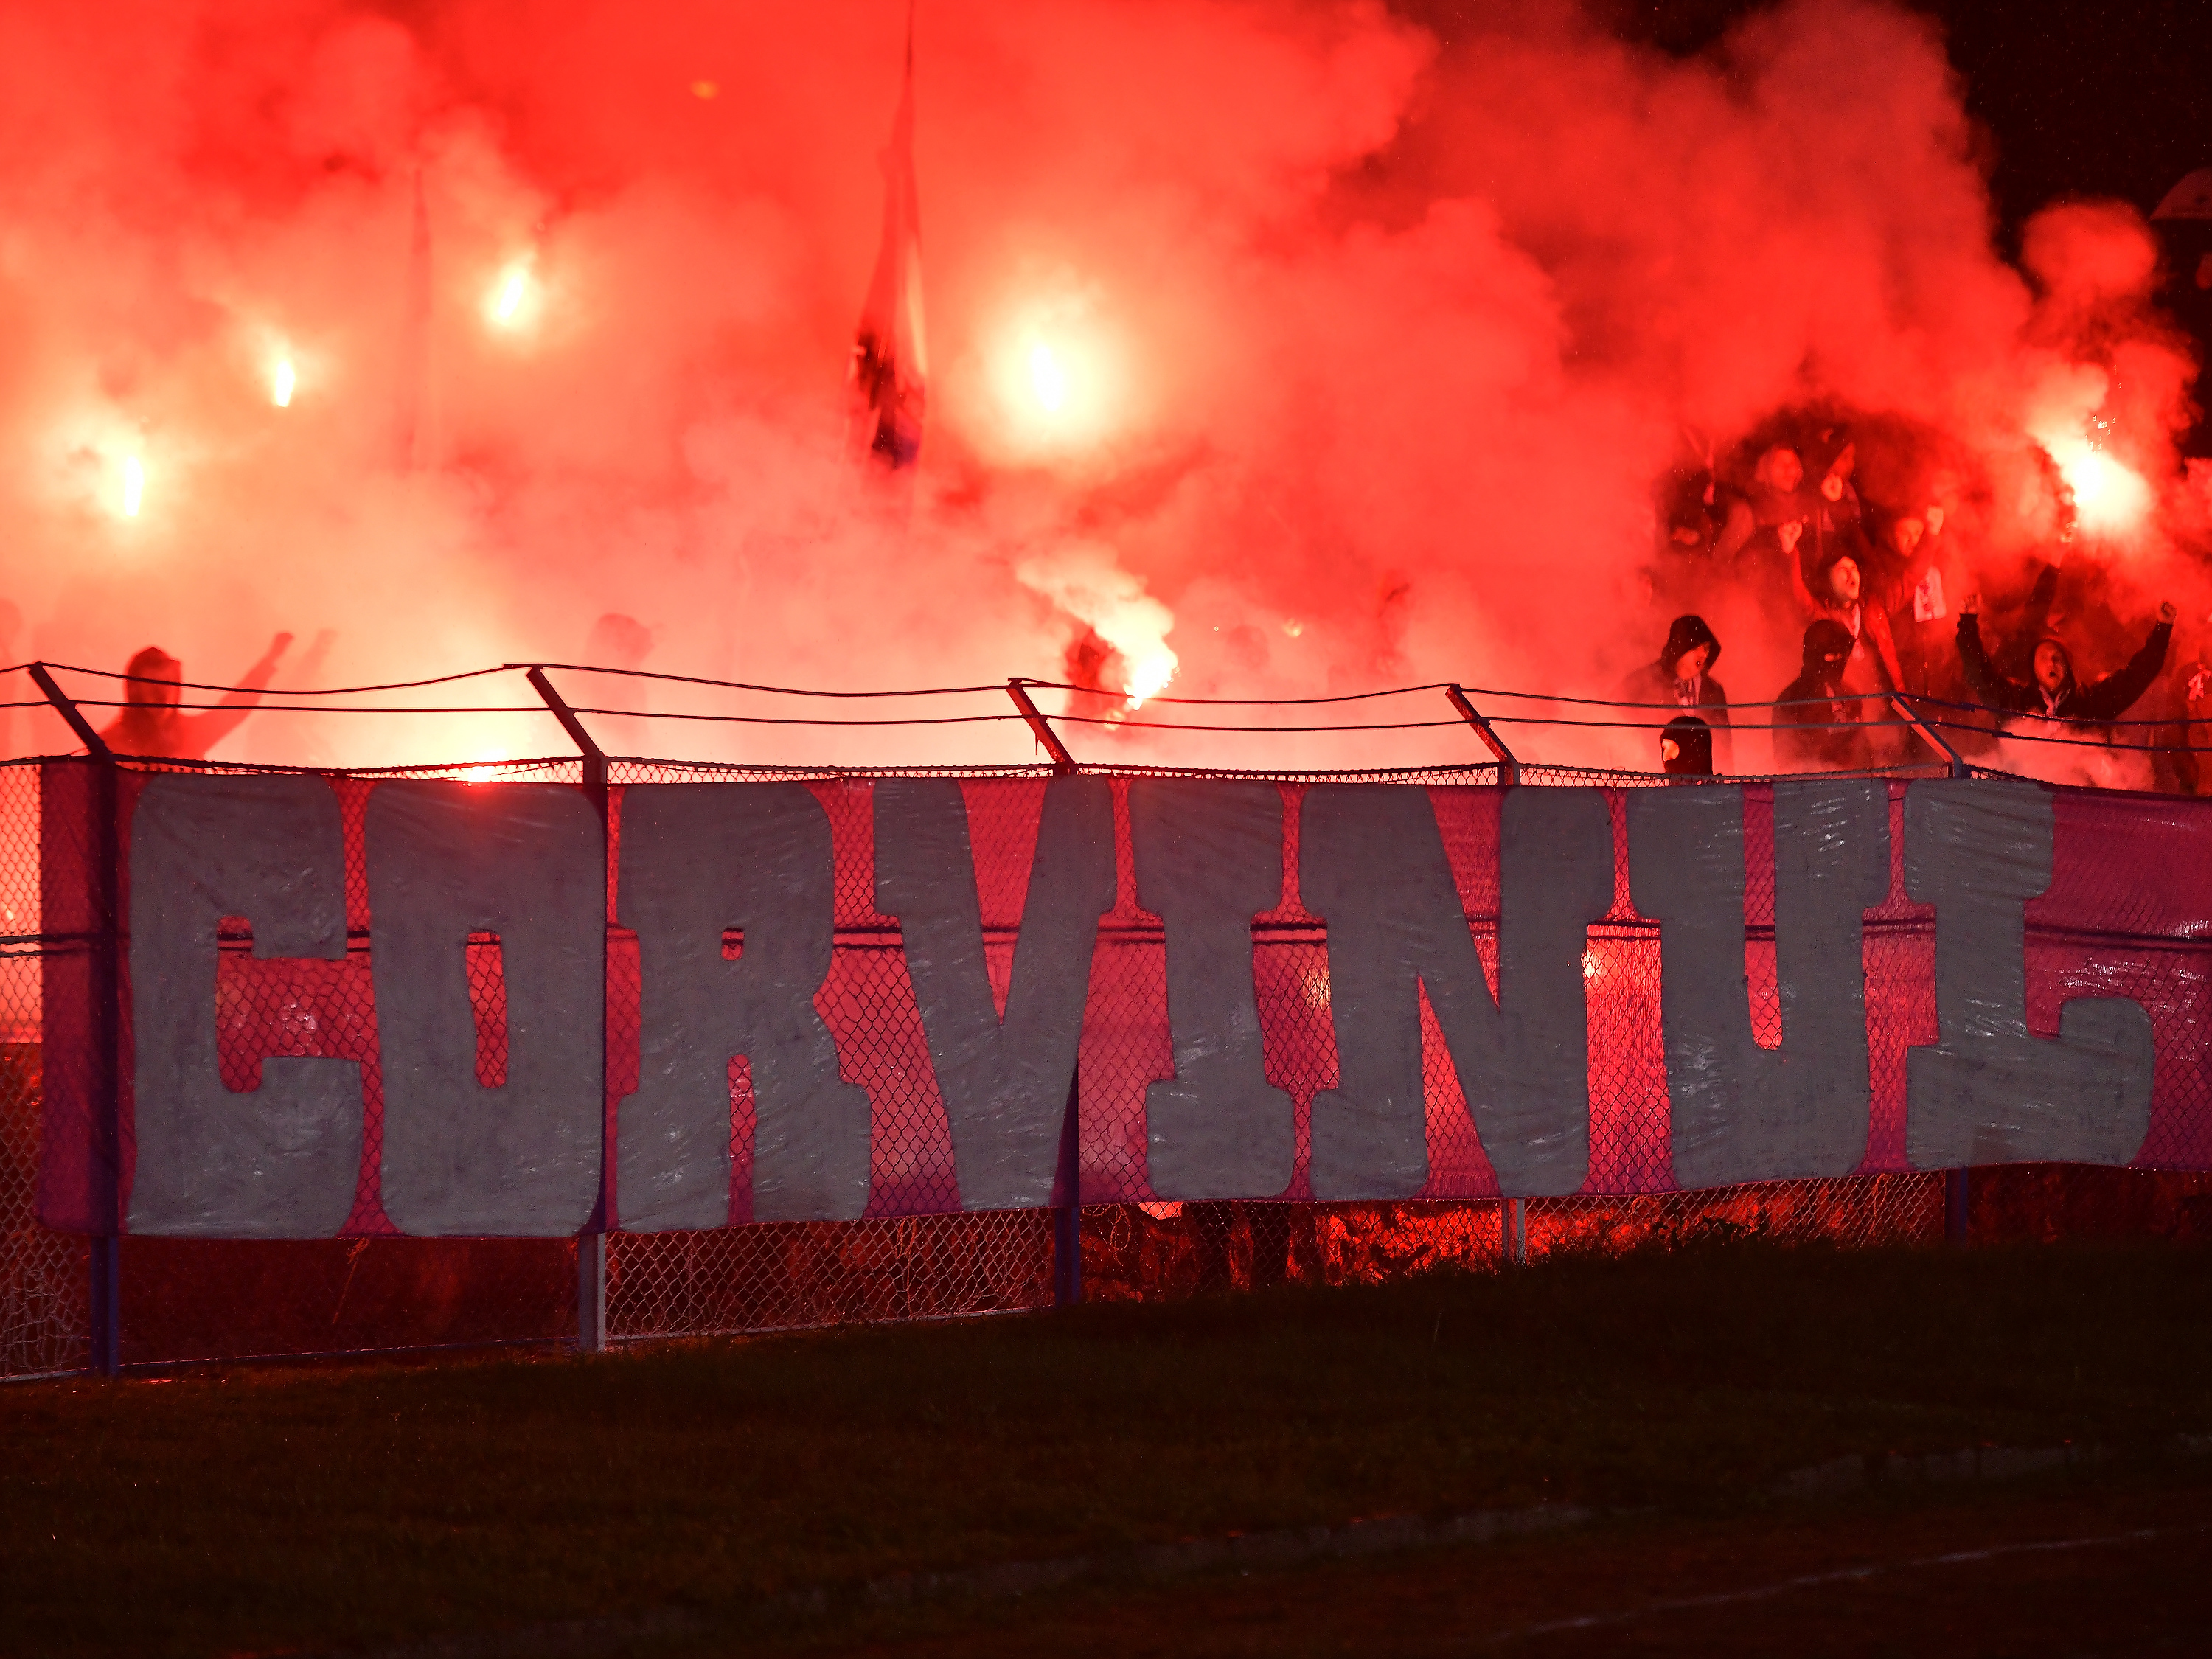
{"x": 696, "y": 858}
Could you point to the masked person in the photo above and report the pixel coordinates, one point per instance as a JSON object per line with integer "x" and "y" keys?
{"x": 1683, "y": 676}
{"x": 152, "y": 727}
{"x": 1834, "y": 593}
{"x": 2051, "y": 692}
{"x": 1816, "y": 724}
{"x": 1686, "y": 748}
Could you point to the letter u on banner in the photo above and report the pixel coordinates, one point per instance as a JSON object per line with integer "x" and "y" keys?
{"x": 698, "y": 859}
{"x": 276, "y": 1162}
{"x": 1989, "y": 1092}
{"x": 1740, "y": 1112}
{"x": 522, "y": 860}
{"x": 1372, "y": 864}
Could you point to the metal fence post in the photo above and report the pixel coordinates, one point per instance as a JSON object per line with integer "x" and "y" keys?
{"x": 1928, "y": 735}
{"x": 104, "y": 1250}
{"x": 1062, "y": 762}
{"x": 1513, "y": 1222}
{"x": 1958, "y": 1194}
{"x": 1068, "y": 1218}
{"x": 1508, "y": 769}
{"x": 592, "y": 1242}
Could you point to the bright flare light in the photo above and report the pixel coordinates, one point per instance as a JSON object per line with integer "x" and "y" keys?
{"x": 2109, "y": 499}
{"x": 1149, "y": 674}
{"x": 512, "y": 301}
{"x": 1047, "y": 379}
{"x": 134, "y": 486}
{"x": 282, "y": 380}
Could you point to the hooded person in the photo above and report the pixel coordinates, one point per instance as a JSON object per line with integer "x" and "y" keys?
{"x": 2052, "y": 692}
{"x": 151, "y": 725}
{"x": 1815, "y": 724}
{"x": 1834, "y": 592}
{"x": 1683, "y": 677}
{"x": 1686, "y": 748}
{"x": 1769, "y": 497}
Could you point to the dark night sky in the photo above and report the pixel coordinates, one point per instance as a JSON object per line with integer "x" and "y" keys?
{"x": 2078, "y": 98}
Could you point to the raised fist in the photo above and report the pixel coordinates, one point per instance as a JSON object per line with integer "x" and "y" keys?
{"x": 2166, "y": 612}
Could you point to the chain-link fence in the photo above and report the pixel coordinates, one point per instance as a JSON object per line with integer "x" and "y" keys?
{"x": 915, "y": 1254}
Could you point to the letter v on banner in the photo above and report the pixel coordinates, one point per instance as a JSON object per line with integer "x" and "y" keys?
{"x": 1740, "y": 1112}
{"x": 1372, "y": 864}
{"x": 1004, "y": 1083}
{"x": 1989, "y": 1092}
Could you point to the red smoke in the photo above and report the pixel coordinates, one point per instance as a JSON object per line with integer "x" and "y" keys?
{"x": 1346, "y": 358}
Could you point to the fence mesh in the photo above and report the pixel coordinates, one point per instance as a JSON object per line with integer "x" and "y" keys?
{"x": 915, "y": 1256}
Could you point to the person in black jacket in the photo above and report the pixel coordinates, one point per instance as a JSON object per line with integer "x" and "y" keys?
{"x": 2053, "y": 693}
{"x": 1683, "y": 676}
{"x": 1686, "y": 748}
{"x": 1816, "y": 724}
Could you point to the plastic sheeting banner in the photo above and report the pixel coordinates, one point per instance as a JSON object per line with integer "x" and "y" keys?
{"x": 347, "y": 1005}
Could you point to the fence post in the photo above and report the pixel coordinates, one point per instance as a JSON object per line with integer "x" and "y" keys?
{"x": 592, "y": 1242}
{"x": 1928, "y": 735}
{"x": 1063, "y": 763}
{"x": 1508, "y": 769}
{"x": 104, "y": 1250}
{"x": 1067, "y": 1219}
{"x": 1513, "y": 1222}
{"x": 1958, "y": 1194}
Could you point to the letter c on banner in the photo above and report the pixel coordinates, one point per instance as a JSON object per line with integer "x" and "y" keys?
{"x": 697, "y": 858}
{"x": 280, "y": 1161}
{"x": 1990, "y": 1092}
{"x": 523, "y": 860}
{"x": 1209, "y": 857}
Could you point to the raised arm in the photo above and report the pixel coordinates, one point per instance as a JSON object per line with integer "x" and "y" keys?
{"x": 205, "y": 731}
{"x": 2112, "y": 697}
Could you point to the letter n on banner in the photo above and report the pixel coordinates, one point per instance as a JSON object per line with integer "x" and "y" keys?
{"x": 1209, "y": 857}
{"x": 1004, "y": 1083}
{"x": 276, "y": 1162}
{"x": 1989, "y": 1092}
{"x": 1739, "y": 1112}
{"x": 1372, "y": 864}
{"x": 698, "y": 859}
{"x": 522, "y": 861}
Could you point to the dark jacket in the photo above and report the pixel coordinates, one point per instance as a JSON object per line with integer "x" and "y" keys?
{"x": 1816, "y": 724}
{"x": 1655, "y": 683}
{"x": 2106, "y": 699}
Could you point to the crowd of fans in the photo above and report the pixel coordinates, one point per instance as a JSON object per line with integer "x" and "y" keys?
{"x": 1876, "y": 595}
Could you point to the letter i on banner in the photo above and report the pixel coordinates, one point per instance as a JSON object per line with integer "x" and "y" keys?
{"x": 1209, "y": 857}
{"x": 1373, "y": 866}
{"x": 696, "y": 859}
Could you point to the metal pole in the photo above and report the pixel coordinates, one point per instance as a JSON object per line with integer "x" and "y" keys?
{"x": 1062, "y": 762}
{"x": 592, "y": 1242}
{"x": 1067, "y": 1219}
{"x": 1928, "y": 735}
{"x": 1508, "y": 769}
{"x": 1513, "y": 1219}
{"x": 1958, "y": 1210}
{"x": 104, "y": 1250}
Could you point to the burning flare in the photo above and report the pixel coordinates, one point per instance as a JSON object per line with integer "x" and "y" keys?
{"x": 2109, "y": 498}
{"x": 513, "y": 302}
{"x": 283, "y": 378}
{"x": 134, "y": 486}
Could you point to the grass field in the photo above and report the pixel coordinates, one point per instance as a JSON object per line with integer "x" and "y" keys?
{"x": 261, "y": 1508}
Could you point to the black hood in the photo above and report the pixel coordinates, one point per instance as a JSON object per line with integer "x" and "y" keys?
{"x": 1688, "y": 633}
{"x": 1827, "y": 644}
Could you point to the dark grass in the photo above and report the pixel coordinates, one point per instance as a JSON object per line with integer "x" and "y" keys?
{"x": 259, "y": 1508}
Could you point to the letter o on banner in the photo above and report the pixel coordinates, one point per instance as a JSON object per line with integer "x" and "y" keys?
{"x": 524, "y": 861}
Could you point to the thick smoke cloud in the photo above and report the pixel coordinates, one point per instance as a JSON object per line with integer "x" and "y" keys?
{"x": 1362, "y": 352}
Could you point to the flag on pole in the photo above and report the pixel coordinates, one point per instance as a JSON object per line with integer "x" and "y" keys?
{"x": 888, "y": 364}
